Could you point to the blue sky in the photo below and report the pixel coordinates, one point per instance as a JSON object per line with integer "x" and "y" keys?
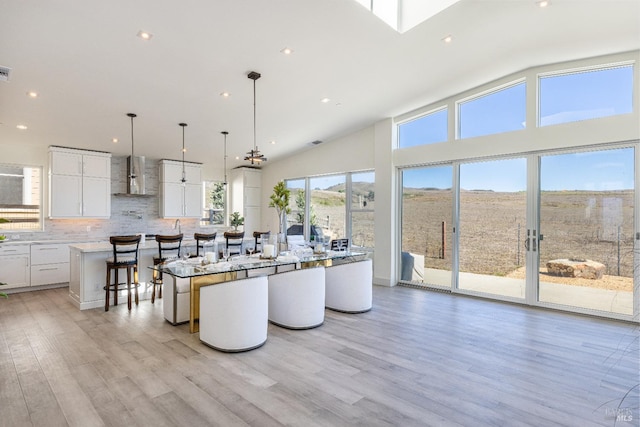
{"x": 595, "y": 171}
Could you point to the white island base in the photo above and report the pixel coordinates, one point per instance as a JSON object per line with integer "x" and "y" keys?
{"x": 89, "y": 271}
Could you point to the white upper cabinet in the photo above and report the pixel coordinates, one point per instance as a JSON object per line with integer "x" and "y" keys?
{"x": 178, "y": 199}
{"x": 79, "y": 183}
{"x": 246, "y": 190}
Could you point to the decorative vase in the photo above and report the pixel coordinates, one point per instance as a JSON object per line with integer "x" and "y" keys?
{"x": 282, "y": 242}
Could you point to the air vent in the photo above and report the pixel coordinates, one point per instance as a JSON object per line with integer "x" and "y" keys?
{"x": 316, "y": 142}
{"x": 4, "y": 73}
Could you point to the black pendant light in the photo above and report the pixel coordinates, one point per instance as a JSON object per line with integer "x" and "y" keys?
{"x": 184, "y": 175}
{"x": 254, "y": 155}
{"x": 225, "y": 133}
{"x": 133, "y": 182}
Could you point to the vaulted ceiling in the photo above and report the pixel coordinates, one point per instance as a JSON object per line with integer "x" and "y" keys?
{"x": 89, "y": 67}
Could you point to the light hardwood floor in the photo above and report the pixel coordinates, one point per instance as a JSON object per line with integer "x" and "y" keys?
{"x": 418, "y": 358}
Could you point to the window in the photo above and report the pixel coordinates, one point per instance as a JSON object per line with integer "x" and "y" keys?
{"x": 583, "y": 95}
{"x": 215, "y": 203}
{"x": 428, "y": 129}
{"x": 319, "y": 207}
{"x": 501, "y": 110}
{"x": 327, "y": 207}
{"x": 20, "y": 198}
{"x": 297, "y": 203}
{"x": 361, "y": 214}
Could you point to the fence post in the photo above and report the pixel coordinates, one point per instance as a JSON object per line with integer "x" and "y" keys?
{"x": 444, "y": 239}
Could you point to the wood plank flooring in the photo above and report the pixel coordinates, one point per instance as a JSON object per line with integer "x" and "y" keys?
{"x": 419, "y": 358}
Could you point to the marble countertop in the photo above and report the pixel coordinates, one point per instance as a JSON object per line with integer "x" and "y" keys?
{"x": 107, "y": 247}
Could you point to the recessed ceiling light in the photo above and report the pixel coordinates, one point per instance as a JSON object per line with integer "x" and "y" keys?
{"x": 447, "y": 39}
{"x": 325, "y": 100}
{"x": 543, "y": 3}
{"x": 114, "y": 140}
{"x": 145, "y": 35}
{"x": 237, "y": 158}
{"x": 225, "y": 94}
{"x": 287, "y": 51}
{"x": 273, "y": 143}
{"x": 22, "y": 127}
{"x": 32, "y": 94}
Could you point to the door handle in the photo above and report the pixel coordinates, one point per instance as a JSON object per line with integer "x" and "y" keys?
{"x": 526, "y": 243}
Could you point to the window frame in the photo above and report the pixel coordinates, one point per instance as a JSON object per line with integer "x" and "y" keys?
{"x": 348, "y": 209}
{"x": 580, "y": 70}
{"x": 203, "y": 222}
{"x": 7, "y": 227}
{"x": 493, "y": 90}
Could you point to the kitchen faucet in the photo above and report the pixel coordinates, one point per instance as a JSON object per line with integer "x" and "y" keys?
{"x": 176, "y": 226}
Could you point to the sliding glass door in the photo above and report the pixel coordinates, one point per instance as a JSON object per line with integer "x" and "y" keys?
{"x": 492, "y": 227}
{"x": 587, "y": 230}
{"x": 557, "y": 229}
{"x": 427, "y": 218}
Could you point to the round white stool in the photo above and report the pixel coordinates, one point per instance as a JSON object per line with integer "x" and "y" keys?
{"x": 234, "y": 315}
{"x": 296, "y": 298}
{"x": 349, "y": 287}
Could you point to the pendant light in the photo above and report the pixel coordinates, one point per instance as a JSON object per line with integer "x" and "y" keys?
{"x": 254, "y": 155}
{"x": 133, "y": 182}
{"x": 225, "y": 133}
{"x": 184, "y": 175}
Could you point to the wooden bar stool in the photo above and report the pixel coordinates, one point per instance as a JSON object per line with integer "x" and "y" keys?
{"x": 201, "y": 238}
{"x": 125, "y": 255}
{"x": 234, "y": 240}
{"x": 167, "y": 246}
{"x": 257, "y": 236}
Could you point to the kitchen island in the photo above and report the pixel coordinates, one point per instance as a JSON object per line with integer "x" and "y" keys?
{"x": 87, "y": 266}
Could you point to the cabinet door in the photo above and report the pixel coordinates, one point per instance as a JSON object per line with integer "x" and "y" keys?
{"x": 96, "y": 197}
{"x": 49, "y": 253}
{"x": 172, "y": 202}
{"x": 66, "y": 163}
{"x": 49, "y": 274}
{"x": 96, "y": 166}
{"x": 251, "y": 196}
{"x": 252, "y": 178}
{"x": 193, "y": 201}
{"x": 251, "y": 219}
{"x": 192, "y": 172}
{"x": 15, "y": 271}
{"x": 171, "y": 172}
{"x": 66, "y": 196}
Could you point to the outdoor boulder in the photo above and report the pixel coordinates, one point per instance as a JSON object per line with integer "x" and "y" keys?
{"x": 575, "y": 267}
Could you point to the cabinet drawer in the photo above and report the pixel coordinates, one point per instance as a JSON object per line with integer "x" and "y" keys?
{"x": 49, "y": 274}
{"x": 14, "y": 249}
{"x": 49, "y": 254}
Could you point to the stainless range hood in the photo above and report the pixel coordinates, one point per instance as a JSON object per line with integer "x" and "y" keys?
{"x": 137, "y": 165}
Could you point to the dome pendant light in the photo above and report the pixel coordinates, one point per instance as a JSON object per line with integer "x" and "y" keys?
{"x": 133, "y": 182}
{"x": 254, "y": 155}
{"x": 225, "y": 133}
{"x": 184, "y": 175}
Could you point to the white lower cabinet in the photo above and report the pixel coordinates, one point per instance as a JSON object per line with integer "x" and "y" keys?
{"x": 49, "y": 264}
{"x": 14, "y": 266}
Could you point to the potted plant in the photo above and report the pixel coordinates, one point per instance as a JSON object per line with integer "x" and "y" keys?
{"x": 280, "y": 201}
{"x": 236, "y": 220}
